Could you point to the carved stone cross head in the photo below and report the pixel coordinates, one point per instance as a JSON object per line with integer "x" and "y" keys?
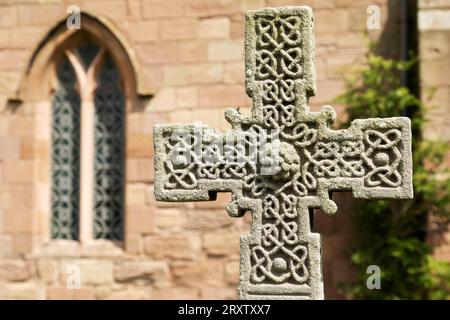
{"x": 283, "y": 160}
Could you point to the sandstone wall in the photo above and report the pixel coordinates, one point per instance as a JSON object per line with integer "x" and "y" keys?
{"x": 191, "y": 56}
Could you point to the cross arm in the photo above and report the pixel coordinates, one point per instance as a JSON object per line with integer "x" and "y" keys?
{"x": 372, "y": 158}
{"x": 193, "y": 162}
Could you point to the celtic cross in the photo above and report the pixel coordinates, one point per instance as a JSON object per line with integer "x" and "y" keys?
{"x": 283, "y": 160}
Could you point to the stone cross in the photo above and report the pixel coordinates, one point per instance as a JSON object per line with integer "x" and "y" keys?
{"x": 282, "y": 161}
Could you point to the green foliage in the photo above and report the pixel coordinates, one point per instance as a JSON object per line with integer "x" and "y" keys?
{"x": 391, "y": 234}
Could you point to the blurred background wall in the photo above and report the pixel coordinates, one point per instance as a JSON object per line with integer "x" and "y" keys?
{"x": 180, "y": 61}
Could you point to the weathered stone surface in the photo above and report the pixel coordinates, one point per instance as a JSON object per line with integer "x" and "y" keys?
{"x": 11, "y": 270}
{"x": 24, "y": 291}
{"x": 199, "y": 273}
{"x": 92, "y": 272}
{"x": 155, "y": 272}
{"x": 130, "y": 294}
{"x": 221, "y": 244}
{"x": 172, "y": 246}
{"x": 232, "y": 272}
{"x": 175, "y": 294}
{"x": 170, "y": 219}
{"x": 214, "y": 28}
{"x": 206, "y": 220}
{"x": 64, "y": 293}
{"x": 218, "y": 293}
{"x": 47, "y": 270}
{"x": 283, "y": 160}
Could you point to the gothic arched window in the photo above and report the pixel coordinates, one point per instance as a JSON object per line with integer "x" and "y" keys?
{"x": 88, "y": 119}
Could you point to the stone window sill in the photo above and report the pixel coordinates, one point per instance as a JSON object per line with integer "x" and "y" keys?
{"x": 71, "y": 248}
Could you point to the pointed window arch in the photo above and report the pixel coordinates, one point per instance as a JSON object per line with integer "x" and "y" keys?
{"x": 88, "y": 120}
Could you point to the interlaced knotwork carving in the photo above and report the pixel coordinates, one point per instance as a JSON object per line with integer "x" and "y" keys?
{"x": 383, "y": 158}
{"x": 281, "y": 256}
{"x": 283, "y": 160}
{"x": 278, "y": 65}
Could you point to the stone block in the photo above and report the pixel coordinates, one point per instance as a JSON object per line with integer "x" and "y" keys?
{"x": 234, "y": 72}
{"x": 114, "y": 9}
{"x": 172, "y": 246}
{"x": 333, "y": 21}
{"x": 202, "y": 116}
{"x": 129, "y": 294}
{"x": 314, "y": 4}
{"x": 237, "y": 26}
{"x": 162, "y": 52}
{"x": 280, "y": 226}
{"x": 134, "y": 9}
{"x": 40, "y": 14}
{"x": 163, "y": 100}
{"x": 170, "y": 219}
{"x": 226, "y": 50}
{"x": 25, "y": 291}
{"x": 162, "y": 8}
{"x": 153, "y": 76}
{"x": 5, "y": 246}
{"x": 178, "y": 293}
{"x": 139, "y": 170}
{"x": 232, "y": 272}
{"x": 208, "y": 8}
{"x": 429, "y": 4}
{"x": 433, "y": 73}
{"x": 140, "y": 220}
{"x": 222, "y": 96}
{"x": 350, "y": 3}
{"x": 21, "y": 243}
{"x": 192, "y": 51}
{"x": 100, "y": 248}
{"x": 189, "y": 74}
{"x": 64, "y": 293}
{"x": 134, "y": 243}
{"x": 218, "y": 293}
{"x": 47, "y": 270}
{"x": 208, "y": 220}
{"x": 15, "y": 270}
{"x": 155, "y": 273}
{"x": 221, "y": 244}
{"x": 9, "y": 148}
{"x": 203, "y": 273}
{"x": 222, "y": 199}
{"x": 135, "y": 194}
{"x": 179, "y": 29}
{"x": 434, "y": 45}
{"x": 139, "y": 145}
{"x": 252, "y": 4}
{"x": 214, "y": 28}
{"x": 186, "y": 97}
{"x": 60, "y": 248}
{"x": 92, "y": 271}
{"x": 329, "y": 90}
{"x": 141, "y": 31}
{"x": 434, "y": 19}
{"x": 8, "y": 16}
{"x": 351, "y": 40}
{"x": 17, "y": 221}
